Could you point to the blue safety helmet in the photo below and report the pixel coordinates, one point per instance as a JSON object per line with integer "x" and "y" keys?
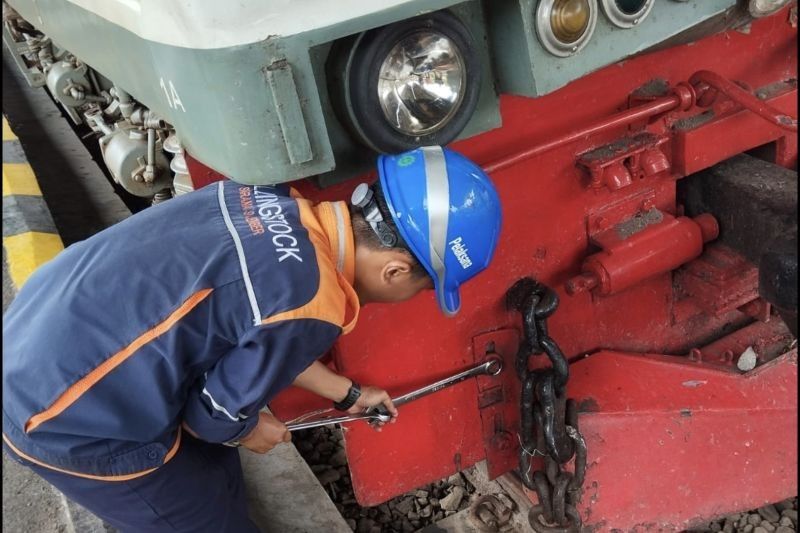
{"x": 447, "y": 212}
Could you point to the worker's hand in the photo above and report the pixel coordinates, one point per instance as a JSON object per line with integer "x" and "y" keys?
{"x": 268, "y": 433}
{"x": 373, "y": 397}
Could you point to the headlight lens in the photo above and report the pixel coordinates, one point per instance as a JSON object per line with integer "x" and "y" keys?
{"x": 565, "y": 26}
{"x": 627, "y": 13}
{"x": 421, "y": 83}
{"x": 415, "y": 82}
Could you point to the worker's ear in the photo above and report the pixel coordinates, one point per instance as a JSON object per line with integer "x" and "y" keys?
{"x": 400, "y": 281}
{"x": 396, "y": 270}
{"x": 387, "y": 276}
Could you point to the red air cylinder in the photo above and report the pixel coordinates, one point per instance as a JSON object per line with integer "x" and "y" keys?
{"x": 654, "y": 250}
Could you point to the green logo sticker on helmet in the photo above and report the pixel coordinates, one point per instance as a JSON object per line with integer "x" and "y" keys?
{"x": 406, "y": 160}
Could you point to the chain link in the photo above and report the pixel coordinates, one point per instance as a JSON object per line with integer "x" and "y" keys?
{"x": 492, "y": 513}
{"x": 548, "y": 420}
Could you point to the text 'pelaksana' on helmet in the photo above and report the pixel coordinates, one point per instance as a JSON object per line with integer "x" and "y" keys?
{"x": 448, "y": 212}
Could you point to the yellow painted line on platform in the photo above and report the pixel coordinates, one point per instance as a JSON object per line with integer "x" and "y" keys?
{"x": 18, "y": 178}
{"x": 8, "y": 135}
{"x": 28, "y": 251}
{"x": 25, "y": 252}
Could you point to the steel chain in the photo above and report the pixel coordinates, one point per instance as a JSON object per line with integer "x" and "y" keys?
{"x": 548, "y": 420}
{"x": 492, "y": 513}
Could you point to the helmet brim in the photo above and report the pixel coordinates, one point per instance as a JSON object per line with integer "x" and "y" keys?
{"x": 449, "y": 300}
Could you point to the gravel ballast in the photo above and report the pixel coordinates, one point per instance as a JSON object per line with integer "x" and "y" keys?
{"x": 323, "y": 450}
{"x": 776, "y": 518}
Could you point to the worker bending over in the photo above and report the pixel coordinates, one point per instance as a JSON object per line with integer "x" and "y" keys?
{"x": 129, "y": 358}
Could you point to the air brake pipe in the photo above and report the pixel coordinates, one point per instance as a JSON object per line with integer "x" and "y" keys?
{"x": 682, "y": 98}
{"x": 654, "y": 250}
{"x": 125, "y": 102}
{"x": 150, "y": 167}
{"x": 703, "y": 86}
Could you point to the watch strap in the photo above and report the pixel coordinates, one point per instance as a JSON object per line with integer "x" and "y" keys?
{"x": 353, "y": 394}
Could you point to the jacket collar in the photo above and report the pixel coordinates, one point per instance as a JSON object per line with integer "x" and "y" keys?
{"x": 335, "y": 221}
{"x": 334, "y": 218}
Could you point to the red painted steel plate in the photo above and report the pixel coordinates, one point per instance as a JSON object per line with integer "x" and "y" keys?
{"x": 672, "y": 443}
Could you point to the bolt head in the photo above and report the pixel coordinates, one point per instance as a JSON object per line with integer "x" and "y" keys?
{"x": 502, "y": 440}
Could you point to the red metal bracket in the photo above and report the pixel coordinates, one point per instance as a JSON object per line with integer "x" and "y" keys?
{"x": 619, "y": 164}
{"x": 708, "y": 85}
{"x": 640, "y": 248}
{"x": 600, "y": 221}
{"x": 498, "y": 401}
{"x": 723, "y": 131}
{"x": 719, "y": 281}
{"x": 663, "y": 431}
{"x": 767, "y": 340}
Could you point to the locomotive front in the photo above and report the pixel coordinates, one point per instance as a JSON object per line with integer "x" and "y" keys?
{"x": 645, "y": 153}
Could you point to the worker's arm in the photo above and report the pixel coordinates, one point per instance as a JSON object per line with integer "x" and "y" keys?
{"x": 321, "y": 380}
{"x": 224, "y": 404}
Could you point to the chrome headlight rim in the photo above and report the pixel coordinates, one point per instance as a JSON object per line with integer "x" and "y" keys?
{"x": 353, "y": 69}
{"x": 760, "y": 11}
{"x": 547, "y": 36}
{"x": 618, "y": 17}
{"x": 399, "y": 110}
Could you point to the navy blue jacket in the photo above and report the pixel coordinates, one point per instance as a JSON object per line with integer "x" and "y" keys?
{"x": 193, "y": 312}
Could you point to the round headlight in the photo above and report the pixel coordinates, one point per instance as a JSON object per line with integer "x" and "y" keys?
{"x": 421, "y": 83}
{"x": 627, "y": 13}
{"x": 764, "y": 8}
{"x": 412, "y": 83}
{"x": 565, "y": 26}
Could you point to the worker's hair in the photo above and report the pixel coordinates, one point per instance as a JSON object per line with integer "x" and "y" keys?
{"x": 364, "y": 235}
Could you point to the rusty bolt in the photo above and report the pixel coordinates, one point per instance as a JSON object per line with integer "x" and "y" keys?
{"x": 600, "y": 223}
{"x": 582, "y": 283}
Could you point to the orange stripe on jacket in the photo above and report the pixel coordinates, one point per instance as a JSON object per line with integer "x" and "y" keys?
{"x": 77, "y": 389}
{"x": 335, "y": 301}
{"x": 170, "y": 454}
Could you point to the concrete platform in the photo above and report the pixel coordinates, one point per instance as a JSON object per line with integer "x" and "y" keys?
{"x": 284, "y": 495}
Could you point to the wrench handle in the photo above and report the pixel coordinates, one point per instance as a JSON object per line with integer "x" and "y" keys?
{"x": 492, "y": 367}
{"x": 370, "y": 417}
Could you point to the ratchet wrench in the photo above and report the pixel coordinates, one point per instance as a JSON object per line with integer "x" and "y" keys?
{"x": 492, "y": 366}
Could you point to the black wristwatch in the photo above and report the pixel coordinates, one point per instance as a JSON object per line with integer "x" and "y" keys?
{"x": 350, "y": 400}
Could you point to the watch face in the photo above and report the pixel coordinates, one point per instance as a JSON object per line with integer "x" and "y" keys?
{"x": 361, "y": 195}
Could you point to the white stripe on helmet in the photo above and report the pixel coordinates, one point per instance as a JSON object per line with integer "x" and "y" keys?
{"x": 438, "y": 195}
